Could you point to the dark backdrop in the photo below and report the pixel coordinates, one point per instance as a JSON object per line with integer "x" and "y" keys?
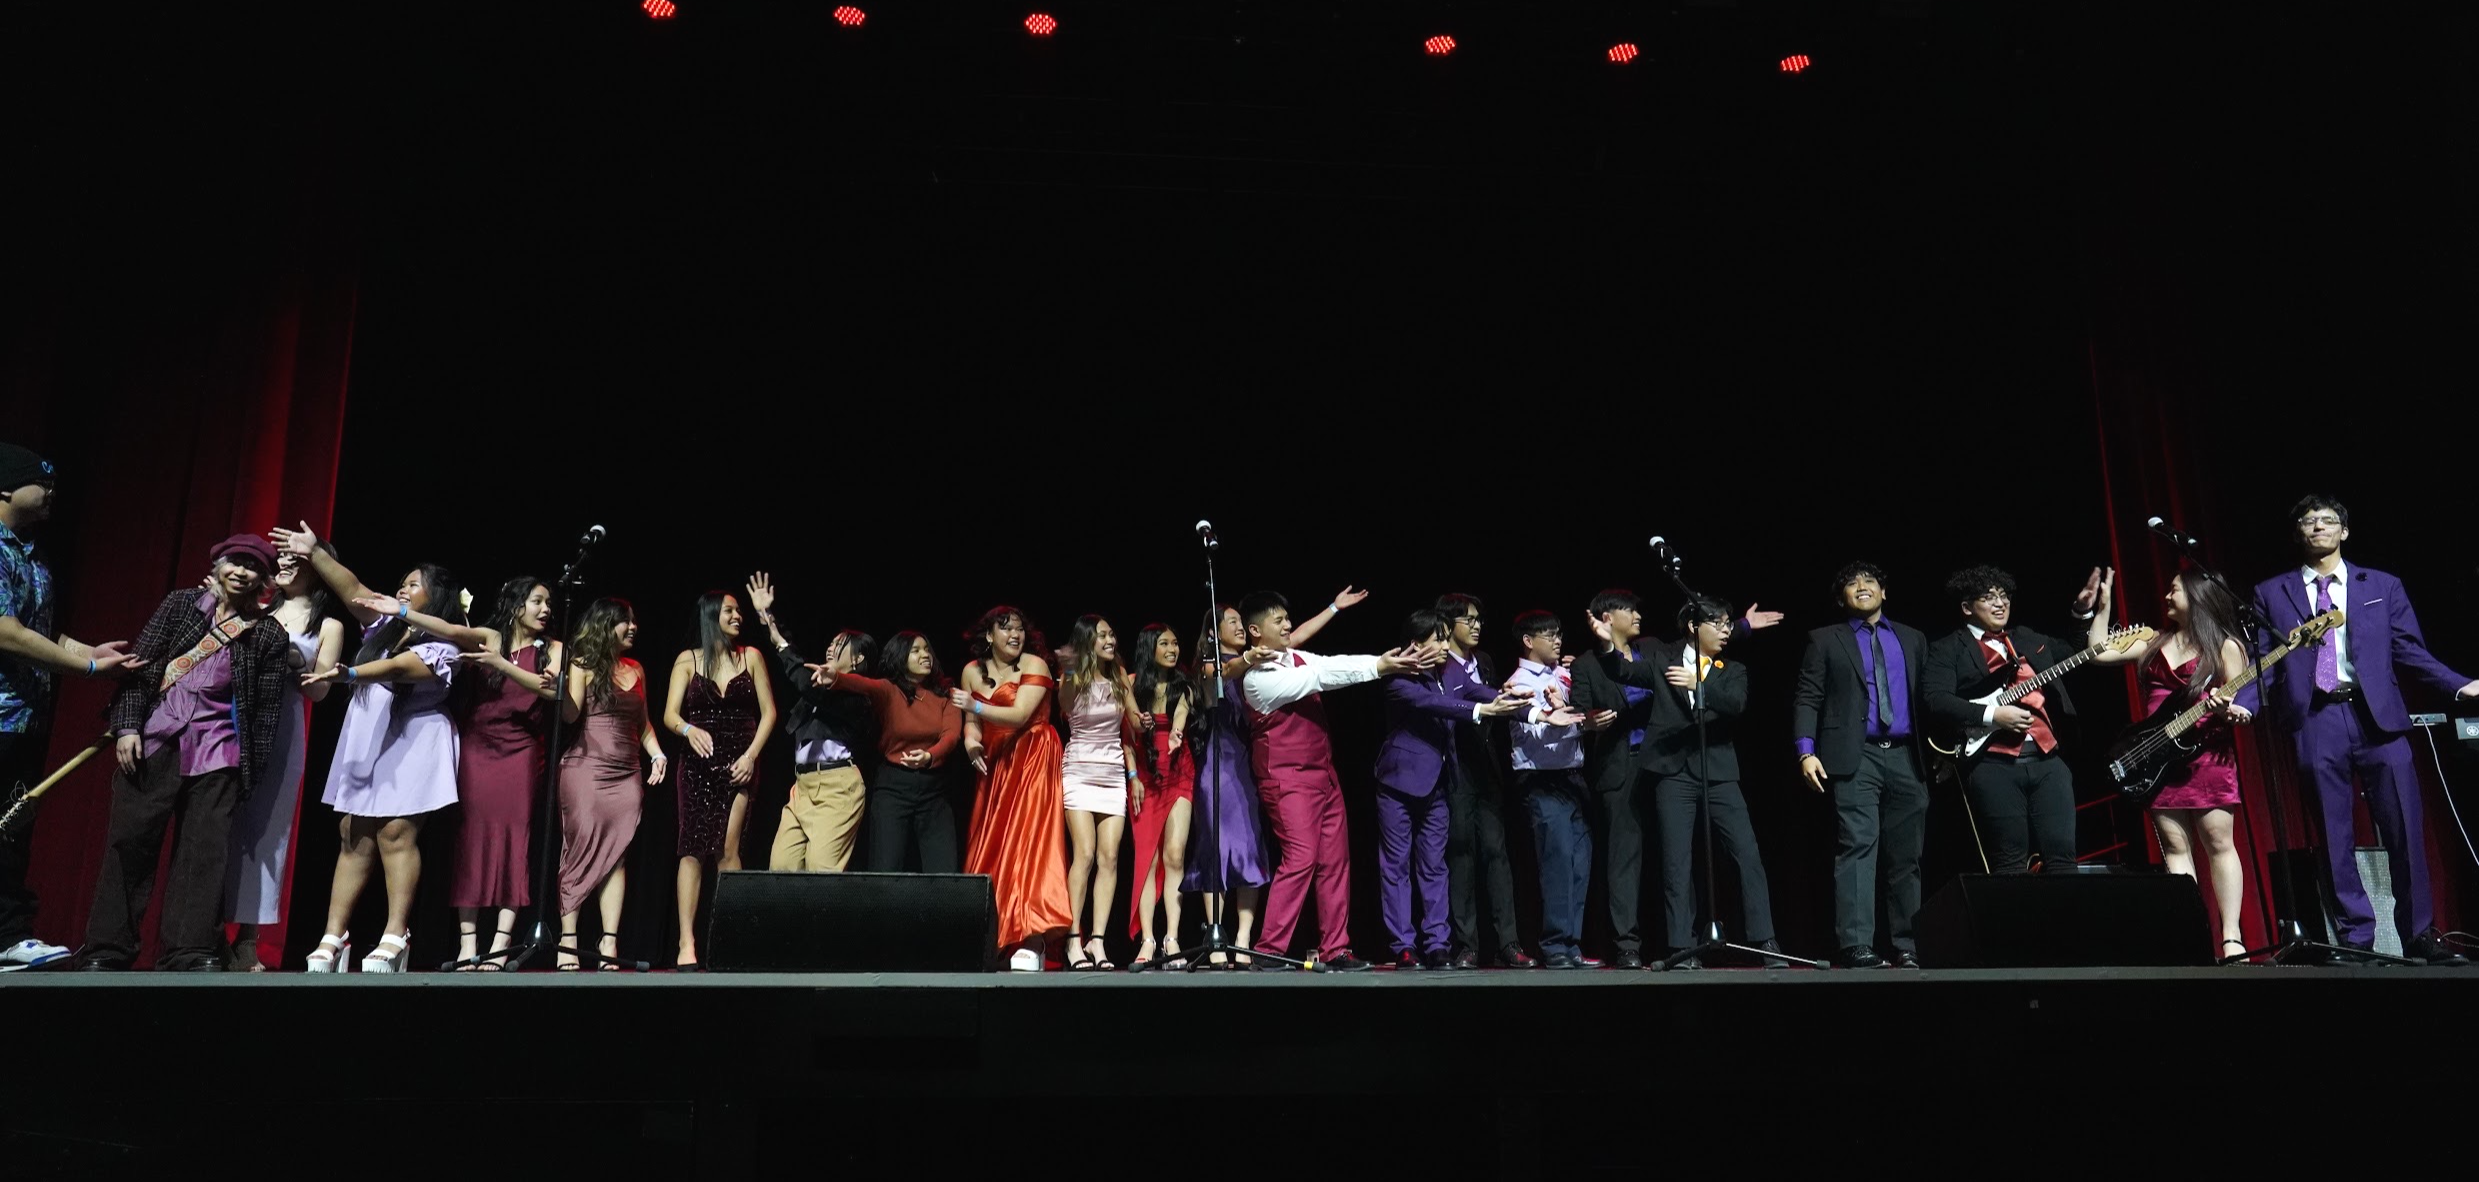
{"x": 935, "y": 316}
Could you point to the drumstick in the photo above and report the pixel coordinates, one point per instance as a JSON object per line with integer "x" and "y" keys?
{"x": 21, "y": 810}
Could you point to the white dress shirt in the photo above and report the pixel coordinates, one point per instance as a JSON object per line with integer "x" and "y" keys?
{"x": 2339, "y": 637}
{"x": 1294, "y": 675}
{"x": 1538, "y": 745}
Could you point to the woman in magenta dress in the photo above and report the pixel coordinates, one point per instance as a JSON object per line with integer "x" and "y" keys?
{"x": 722, "y": 703}
{"x": 1166, "y": 696}
{"x": 503, "y": 714}
{"x": 2193, "y": 808}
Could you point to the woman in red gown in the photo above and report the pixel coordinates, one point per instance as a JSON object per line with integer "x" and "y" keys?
{"x": 1164, "y": 692}
{"x": 2194, "y": 804}
{"x": 1020, "y": 796}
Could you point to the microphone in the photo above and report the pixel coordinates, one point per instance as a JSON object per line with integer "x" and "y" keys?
{"x": 593, "y": 534}
{"x": 2181, "y": 541}
{"x": 1205, "y": 531}
{"x": 1661, "y": 547}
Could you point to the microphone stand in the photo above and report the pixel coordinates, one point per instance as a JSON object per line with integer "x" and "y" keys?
{"x": 1714, "y": 939}
{"x": 546, "y": 846}
{"x": 1209, "y": 695}
{"x": 2289, "y": 937}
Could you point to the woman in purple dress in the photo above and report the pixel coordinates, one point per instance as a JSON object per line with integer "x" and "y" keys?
{"x": 722, "y": 703}
{"x": 395, "y": 758}
{"x": 2194, "y": 804}
{"x": 601, "y": 793}
{"x": 1227, "y": 853}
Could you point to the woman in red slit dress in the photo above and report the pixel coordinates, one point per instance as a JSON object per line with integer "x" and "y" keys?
{"x": 1016, "y": 835}
{"x": 2194, "y": 804}
{"x": 1164, "y": 692}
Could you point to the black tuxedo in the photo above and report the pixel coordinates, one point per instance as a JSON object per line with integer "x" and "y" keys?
{"x": 1617, "y": 792}
{"x": 1880, "y": 793}
{"x": 1476, "y": 823}
{"x": 1689, "y": 767}
{"x": 2024, "y": 803}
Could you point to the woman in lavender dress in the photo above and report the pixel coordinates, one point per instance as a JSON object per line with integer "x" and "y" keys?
{"x": 395, "y": 759}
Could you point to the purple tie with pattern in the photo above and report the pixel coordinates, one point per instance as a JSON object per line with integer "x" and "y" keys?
{"x": 2327, "y": 650}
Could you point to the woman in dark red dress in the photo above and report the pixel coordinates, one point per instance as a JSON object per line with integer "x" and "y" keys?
{"x": 1164, "y": 692}
{"x": 2193, "y": 808}
{"x": 501, "y": 718}
{"x": 723, "y": 704}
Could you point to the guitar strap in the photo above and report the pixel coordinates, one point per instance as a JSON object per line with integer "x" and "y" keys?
{"x": 208, "y": 645}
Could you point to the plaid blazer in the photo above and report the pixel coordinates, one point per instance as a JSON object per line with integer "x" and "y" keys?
{"x": 259, "y": 668}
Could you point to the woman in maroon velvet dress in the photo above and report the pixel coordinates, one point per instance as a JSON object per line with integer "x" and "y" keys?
{"x": 722, "y": 702}
{"x": 2194, "y": 804}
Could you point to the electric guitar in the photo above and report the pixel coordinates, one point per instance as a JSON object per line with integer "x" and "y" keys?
{"x": 2150, "y": 750}
{"x": 1976, "y": 736}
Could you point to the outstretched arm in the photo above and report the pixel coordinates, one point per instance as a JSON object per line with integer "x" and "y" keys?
{"x": 1317, "y": 623}
{"x": 348, "y": 586}
{"x": 465, "y": 637}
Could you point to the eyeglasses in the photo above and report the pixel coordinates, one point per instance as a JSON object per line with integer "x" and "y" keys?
{"x": 2315, "y": 519}
{"x": 1994, "y": 600}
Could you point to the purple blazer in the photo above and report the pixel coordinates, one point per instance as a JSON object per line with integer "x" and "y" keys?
{"x": 2382, "y": 632}
{"x": 1420, "y": 738}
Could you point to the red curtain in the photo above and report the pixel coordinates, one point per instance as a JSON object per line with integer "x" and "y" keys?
{"x": 180, "y": 409}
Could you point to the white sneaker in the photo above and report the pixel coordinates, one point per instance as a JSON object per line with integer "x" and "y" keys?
{"x": 30, "y": 954}
{"x": 1025, "y": 960}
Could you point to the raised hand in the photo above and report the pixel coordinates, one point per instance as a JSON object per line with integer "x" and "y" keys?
{"x": 1348, "y": 597}
{"x": 761, "y": 593}
{"x": 294, "y": 541}
{"x": 1600, "y": 631}
{"x": 1760, "y": 619}
{"x": 820, "y": 675}
{"x": 2108, "y": 583}
{"x": 385, "y": 605}
{"x": 2090, "y": 595}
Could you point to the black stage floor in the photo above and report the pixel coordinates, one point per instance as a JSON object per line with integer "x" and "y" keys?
{"x": 1495, "y": 1073}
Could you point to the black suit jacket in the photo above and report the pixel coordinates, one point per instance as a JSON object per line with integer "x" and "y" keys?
{"x": 1609, "y": 765}
{"x": 820, "y": 713}
{"x": 1671, "y": 744}
{"x": 1956, "y": 674}
{"x": 1830, "y": 704}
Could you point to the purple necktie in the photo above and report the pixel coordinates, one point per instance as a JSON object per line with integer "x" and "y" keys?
{"x": 2327, "y": 650}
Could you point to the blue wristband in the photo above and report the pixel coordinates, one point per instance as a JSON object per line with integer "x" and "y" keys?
{"x": 350, "y": 675}
{"x": 403, "y": 610}
{"x": 976, "y": 705}
{"x": 90, "y": 668}
{"x": 1336, "y": 608}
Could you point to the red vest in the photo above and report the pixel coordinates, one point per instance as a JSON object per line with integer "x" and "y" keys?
{"x": 2005, "y": 742}
{"x": 1290, "y": 746}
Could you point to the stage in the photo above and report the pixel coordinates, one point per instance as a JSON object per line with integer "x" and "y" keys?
{"x": 1495, "y": 1072}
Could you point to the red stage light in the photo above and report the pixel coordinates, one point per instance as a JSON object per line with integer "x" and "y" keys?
{"x": 1623, "y": 52}
{"x": 661, "y": 10}
{"x": 849, "y": 17}
{"x": 1040, "y": 24}
{"x": 1440, "y": 45}
{"x": 1794, "y": 63}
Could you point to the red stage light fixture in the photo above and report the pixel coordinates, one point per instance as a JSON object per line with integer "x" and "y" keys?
{"x": 1440, "y": 45}
{"x": 661, "y": 10}
{"x": 1795, "y": 63}
{"x": 849, "y": 17}
{"x": 1040, "y": 24}
{"x": 1623, "y": 52}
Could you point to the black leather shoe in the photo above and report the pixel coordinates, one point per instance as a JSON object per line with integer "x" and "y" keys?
{"x": 1689, "y": 965}
{"x": 1906, "y": 959}
{"x": 100, "y": 965}
{"x": 1513, "y": 956}
{"x": 1407, "y": 961}
{"x": 1346, "y": 963}
{"x": 1773, "y": 954}
{"x": 1571, "y": 960}
{"x": 1435, "y": 959}
{"x": 1464, "y": 960}
{"x": 204, "y": 964}
{"x": 2430, "y": 946}
{"x": 1627, "y": 960}
{"x": 1858, "y": 957}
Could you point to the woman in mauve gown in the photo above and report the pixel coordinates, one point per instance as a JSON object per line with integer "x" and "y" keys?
{"x": 601, "y": 794}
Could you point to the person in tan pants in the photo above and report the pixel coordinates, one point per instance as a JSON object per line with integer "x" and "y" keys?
{"x": 831, "y": 734}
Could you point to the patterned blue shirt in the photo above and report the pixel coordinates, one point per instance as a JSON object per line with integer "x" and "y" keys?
{"x": 25, "y": 593}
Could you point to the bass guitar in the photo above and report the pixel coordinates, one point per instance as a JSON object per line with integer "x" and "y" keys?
{"x": 2153, "y": 748}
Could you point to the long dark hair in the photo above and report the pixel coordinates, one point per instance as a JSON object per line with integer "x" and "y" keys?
{"x": 2211, "y": 621}
{"x": 711, "y": 642}
{"x": 502, "y": 619}
{"x": 595, "y": 651}
{"x": 977, "y": 641}
{"x": 1089, "y": 667}
{"x": 864, "y": 648}
{"x": 447, "y": 601}
{"x": 1175, "y": 683}
{"x": 895, "y": 661}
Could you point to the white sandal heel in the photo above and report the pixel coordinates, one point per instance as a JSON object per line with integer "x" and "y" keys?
{"x": 333, "y": 953}
{"x": 383, "y": 958}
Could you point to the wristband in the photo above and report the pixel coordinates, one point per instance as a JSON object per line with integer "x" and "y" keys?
{"x": 1336, "y": 608}
{"x": 90, "y": 668}
{"x": 403, "y": 610}
{"x": 350, "y": 676}
{"x": 1131, "y": 773}
{"x": 976, "y": 705}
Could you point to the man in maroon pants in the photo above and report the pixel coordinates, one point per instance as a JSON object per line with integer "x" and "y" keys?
{"x": 1294, "y": 762}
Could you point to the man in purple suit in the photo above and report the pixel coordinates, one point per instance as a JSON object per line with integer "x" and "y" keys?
{"x": 2344, "y": 707}
{"x": 1416, "y": 769}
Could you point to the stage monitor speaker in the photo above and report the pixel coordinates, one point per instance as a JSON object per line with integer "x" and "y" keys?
{"x": 1993, "y": 921}
{"x": 766, "y": 922}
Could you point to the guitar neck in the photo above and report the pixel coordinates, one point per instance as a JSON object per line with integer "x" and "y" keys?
{"x": 2015, "y": 693}
{"x": 2188, "y": 717}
